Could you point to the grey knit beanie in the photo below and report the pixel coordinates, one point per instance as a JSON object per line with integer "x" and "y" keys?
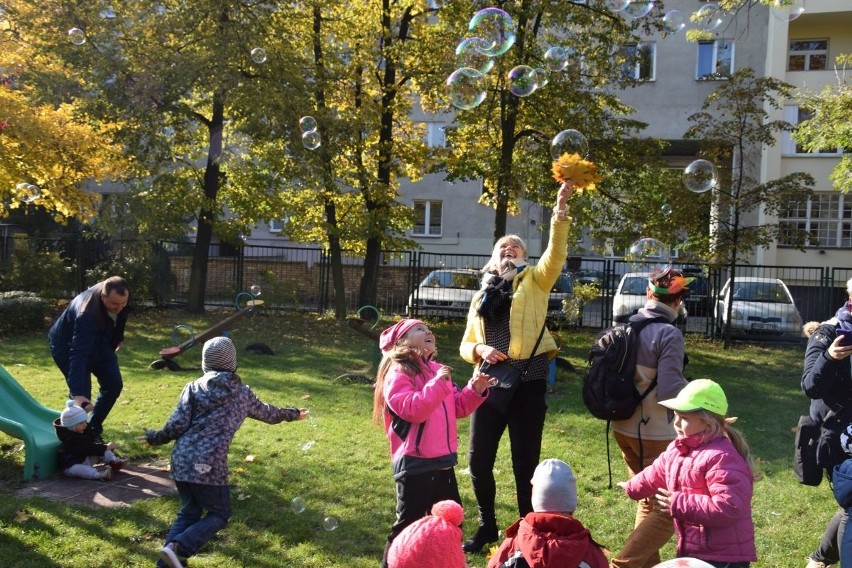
{"x": 219, "y": 354}
{"x": 554, "y": 487}
{"x": 72, "y": 415}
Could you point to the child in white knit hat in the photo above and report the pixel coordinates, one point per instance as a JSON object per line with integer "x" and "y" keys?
{"x": 79, "y": 450}
{"x": 550, "y": 535}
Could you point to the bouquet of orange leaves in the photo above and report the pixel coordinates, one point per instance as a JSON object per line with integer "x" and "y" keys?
{"x": 572, "y": 167}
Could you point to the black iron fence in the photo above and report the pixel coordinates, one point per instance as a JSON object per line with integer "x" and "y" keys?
{"x": 299, "y": 278}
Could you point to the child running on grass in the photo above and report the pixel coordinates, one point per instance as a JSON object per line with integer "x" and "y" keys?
{"x": 79, "y": 449}
{"x": 209, "y": 412}
{"x": 704, "y": 479}
{"x": 418, "y": 403}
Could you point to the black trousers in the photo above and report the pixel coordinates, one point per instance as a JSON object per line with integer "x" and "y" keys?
{"x": 525, "y": 419}
{"x": 415, "y": 495}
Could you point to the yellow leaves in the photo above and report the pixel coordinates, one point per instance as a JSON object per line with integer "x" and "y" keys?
{"x": 573, "y": 167}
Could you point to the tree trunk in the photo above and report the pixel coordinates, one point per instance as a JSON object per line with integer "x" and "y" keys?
{"x": 212, "y": 179}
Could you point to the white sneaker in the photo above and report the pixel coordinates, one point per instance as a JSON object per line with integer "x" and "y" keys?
{"x": 814, "y": 564}
{"x": 105, "y": 474}
{"x": 169, "y": 556}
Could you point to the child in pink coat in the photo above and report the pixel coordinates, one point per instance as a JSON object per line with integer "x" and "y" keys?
{"x": 704, "y": 479}
{"x": 418, "y": 403}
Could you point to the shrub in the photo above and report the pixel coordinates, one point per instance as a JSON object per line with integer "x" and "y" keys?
{"x": 21, "y": 311}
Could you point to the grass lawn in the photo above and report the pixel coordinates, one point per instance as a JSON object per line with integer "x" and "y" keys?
{"x": 337, "y": 461}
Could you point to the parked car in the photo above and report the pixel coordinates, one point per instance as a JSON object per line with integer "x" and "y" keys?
{"x": 444, "y": 293}
{"x": 630, "y": 295}
{"x": 698, "y": 301}
{"x": 447, "y": 292}
{"x": 595, "y": 277}
{"x": 562, "y": 289}
{"x": 759, "y": 307}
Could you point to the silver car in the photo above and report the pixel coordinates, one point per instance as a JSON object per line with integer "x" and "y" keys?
{"x": 760, "y": 307}
{"x": 631, "y": 295}
{"x": 444, "y": 293}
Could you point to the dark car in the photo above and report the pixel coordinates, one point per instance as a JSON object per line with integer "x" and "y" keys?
{"x": 562, "y": 289}
{"x": 698, "y": 301}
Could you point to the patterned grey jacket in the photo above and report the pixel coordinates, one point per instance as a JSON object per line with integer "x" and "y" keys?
{"x": 209, "y": 412}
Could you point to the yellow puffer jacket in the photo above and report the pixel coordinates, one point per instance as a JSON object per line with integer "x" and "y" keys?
{"x": 529, "y": 303}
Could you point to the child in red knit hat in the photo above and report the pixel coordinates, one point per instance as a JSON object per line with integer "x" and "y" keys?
{"x": 432, "y": 542}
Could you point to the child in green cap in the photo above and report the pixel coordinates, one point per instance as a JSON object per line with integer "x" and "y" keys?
{"x": 705, "y": 480}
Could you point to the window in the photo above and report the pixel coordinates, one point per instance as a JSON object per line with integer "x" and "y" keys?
{"x": 428, "y": 223}
{"x": 807, "y": 55}
{"x": 796, "y": 115}
{"x": 436, "y": 135}
{"x": 277, "y": 225}
{"x": 641, "y": 61}
{"x": 827, "y": 220}
{"x": 715, "y": 59}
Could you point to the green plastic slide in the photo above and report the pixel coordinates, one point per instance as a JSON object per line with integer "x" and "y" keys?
{"x": 25, "y": 418}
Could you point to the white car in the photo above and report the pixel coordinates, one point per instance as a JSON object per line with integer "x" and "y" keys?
{"x": 446, "y": 292}
{"x": 760, "y": 307}
{"x": 630, "y": 296}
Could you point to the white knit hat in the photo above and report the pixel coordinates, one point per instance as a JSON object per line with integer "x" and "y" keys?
{"x": 554, "y": 487}
{"x": 72, "y": 415}
{"x": 219, "y": 354}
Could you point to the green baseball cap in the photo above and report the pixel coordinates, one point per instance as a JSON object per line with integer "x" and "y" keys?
{"x": 701, "y": 394}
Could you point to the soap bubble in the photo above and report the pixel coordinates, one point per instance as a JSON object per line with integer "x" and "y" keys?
{"x": 329, "y": 523}
{"x": 556, "y": 58}
{"x": 787, "y": 10}
{"x": 307, "y": 123}
{"x": 539, "y": 75}
{"x": 569, "y": 141}
{"x": 666, "y": 209}
{"x": 674, "y": 21}
{"x": 255, "y": 290}
{"x": 647, "y": 255}
{"x": 521, "y": 80}
{"x": 466, "y": 88}
{"x": 638, "y": 8}
{"x": 469, "y": 54}
{"x": 496, "y": 29}
{"x": 700, "y": 176}
{"x": 77, "y": 36}
{"x": 298, "y": 505}
{"x": 27, "y": 192}
{"x": 616, "y": 5}
{"x": 258, "y": 55}
{"x": 708, "y": 17}
{"x": 311, "y": 140}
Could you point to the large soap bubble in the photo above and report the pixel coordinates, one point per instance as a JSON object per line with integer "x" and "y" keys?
{"x": 674, "y": 21}
{"x": 496, "y": 29}
{"x": 708, "y": 17}
{"x": 258, "y": 55}
{"x": 556, "y": 58}
{"x": 521, "y": 80}
{"x": 311, "y": 140}
{"x": 787, "y": 10}
{"x": 700, "y": 176}
{"x": 647, "y": 255}
{"x": 638, "y": 8}
{"x": 469, "y": 53}
{"x": 27, "y": 192}
{"x": 307, "y": 123}
{"x": 466, "y": 88}
{"x": 615, "y": 5}
{"x": 569, "y": 141}
{"x": 77, "y": 36}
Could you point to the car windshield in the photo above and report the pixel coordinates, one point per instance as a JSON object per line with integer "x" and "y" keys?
{"x": 563, "y": 285}
{"x": 635, "y": 285}
{"x": 449, "y": 279}
{"x": 761, "y": 292}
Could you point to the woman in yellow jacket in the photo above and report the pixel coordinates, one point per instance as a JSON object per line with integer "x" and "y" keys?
{"x": 504, "y": 323}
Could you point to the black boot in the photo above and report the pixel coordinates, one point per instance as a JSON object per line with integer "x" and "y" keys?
{"x": 485, "y": 534}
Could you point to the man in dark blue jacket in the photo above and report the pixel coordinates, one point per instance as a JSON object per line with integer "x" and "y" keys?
{"x": 83, "y": 342}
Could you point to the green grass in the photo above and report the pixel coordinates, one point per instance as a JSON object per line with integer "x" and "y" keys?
{"x": 346, "y": 473}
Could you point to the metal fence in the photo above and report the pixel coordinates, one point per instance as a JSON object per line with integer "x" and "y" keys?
{"x": 298, "y": 278}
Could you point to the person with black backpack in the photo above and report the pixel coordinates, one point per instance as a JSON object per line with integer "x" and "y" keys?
{"x": 660, "y": 358}
{"x": 827, "y": 381}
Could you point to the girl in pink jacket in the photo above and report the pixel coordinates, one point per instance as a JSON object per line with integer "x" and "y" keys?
{"x": 704, "y": 479}
{"x": 418, "y": 403}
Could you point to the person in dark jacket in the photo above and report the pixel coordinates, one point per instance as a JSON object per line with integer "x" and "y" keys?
{"x": 84, "y": 341}
{"x": 827, "y": 381}
{"x": 209, "y": 412}
{"x": 78, "y": 450}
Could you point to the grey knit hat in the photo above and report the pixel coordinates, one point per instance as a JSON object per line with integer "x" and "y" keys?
{"x": 72, "y": 415}
{"x": 219, "y": 354}
{"x": 554, "y": 487}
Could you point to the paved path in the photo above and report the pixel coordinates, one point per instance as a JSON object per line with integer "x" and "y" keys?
{"x": 134, "y": 482}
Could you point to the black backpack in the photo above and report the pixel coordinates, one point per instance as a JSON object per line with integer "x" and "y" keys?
{"x": 608, "y": 389}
